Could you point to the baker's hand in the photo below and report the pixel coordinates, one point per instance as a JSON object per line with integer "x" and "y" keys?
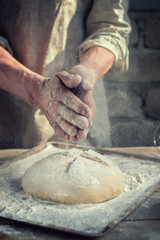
{"x": 63, "y": 109}
{"x": 81, "y": 80}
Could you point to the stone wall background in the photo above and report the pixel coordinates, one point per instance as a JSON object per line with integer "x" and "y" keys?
{"x": 134, "y": 96}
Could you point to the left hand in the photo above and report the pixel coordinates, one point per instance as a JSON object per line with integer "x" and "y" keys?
{"x": 81, "y": 80}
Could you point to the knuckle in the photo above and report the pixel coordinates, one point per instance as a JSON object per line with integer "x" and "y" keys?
{"x": 59, "y": 92}
{"x": 57, "y": 129}
{"x": 80, "y": 122}
{"x": 58, "y": 119}
{"x": 69, "y": 100}
{"x": 68, "y": 128}
{"x": 62, "y": 110}
{"x": 62, "y": 124}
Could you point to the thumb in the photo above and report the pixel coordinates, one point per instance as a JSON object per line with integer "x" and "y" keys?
{"x": 87, "y": 78}
{"x": 70, "y": 80}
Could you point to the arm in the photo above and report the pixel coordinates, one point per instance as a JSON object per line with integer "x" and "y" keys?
{"x": 63, "y": 109}
{"x": 105, "y": 45}
{"x": 17, "y": 79}
{"x": 98, "y": 61}
{"x": 94, "y": 63}
{"x": 108, "y": 26}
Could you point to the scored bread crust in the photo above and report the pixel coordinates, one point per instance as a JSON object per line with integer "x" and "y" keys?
{"x": 74, "y": 176}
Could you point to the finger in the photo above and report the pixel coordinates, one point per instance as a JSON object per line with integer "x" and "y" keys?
{"x": 87, "y": 85}
{"x": 73, "y": 118}
{"x": 59, "y": 131}
{"x": 88, "y": 99}
{"x": 74, "y": 139}
{"x": 70, "y": 80}
{"x": 66, "y": 126}
{"x": 82, "y": 134}
{"x": 74, "y": 103}
{"x": 58, "y": 111}
{"x": 87, "y": 79}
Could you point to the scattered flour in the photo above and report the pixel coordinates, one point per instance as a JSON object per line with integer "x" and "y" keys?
{"x": 91, "y": 219}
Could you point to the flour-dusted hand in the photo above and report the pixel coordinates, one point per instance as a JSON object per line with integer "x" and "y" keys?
{"x": 81, "y": 80}
{"x": 63, "y": 109}
{"x": 94, "y": 63}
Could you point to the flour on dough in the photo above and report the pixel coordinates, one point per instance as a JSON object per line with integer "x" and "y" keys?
{"x": 74, "y": 176}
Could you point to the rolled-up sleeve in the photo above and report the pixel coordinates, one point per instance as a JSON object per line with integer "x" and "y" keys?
{"x": 108, "y": 26}
{"x": 4, "y": 43}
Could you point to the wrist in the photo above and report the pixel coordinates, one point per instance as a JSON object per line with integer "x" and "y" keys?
{"x": 32, "y": 88}
{"x": 98, "y": 60}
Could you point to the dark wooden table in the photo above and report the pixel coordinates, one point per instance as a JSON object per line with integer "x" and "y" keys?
{"x": 142, "y": 224}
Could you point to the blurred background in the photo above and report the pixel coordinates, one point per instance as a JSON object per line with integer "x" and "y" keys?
{"x": 135, "y": 114}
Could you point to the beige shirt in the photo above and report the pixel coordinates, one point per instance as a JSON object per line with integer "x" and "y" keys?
{"x": 40, "y": 32}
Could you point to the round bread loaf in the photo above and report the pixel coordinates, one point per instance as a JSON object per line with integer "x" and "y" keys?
{"x": 74, "y": 176}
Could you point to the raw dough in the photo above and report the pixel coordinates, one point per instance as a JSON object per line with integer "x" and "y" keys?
{"x": 74, "y": 176}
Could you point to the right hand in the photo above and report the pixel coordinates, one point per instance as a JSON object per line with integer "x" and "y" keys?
{"x": 65, "y": 112}
{"x": 83, "y": 89}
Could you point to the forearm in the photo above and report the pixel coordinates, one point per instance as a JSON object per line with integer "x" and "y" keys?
{"x": 99, "y": 60}
{"x": 17, "y": 79}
